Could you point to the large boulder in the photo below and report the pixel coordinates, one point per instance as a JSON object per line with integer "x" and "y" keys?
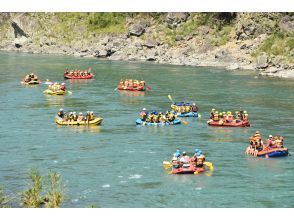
{"x": 137, "y": 29}
{"x": 287, "y": 24}
{"x": 262, "y": 61}
{"x": 173, "y": 19}
{"x": 150, "y": 43}
{"x": 20, "y": 41}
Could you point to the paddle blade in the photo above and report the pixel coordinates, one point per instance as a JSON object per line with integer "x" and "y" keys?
{"x": 196, "y": 173}
{"x": 170, "y": 98}
{"x": 149, "y": 88}
{"x": 199, "y": 116}
{"x": 209, "y": 165}
{"x": 184, "y": 122}
{"x": 69, "y": 92}
{"x": 166, "y": 165}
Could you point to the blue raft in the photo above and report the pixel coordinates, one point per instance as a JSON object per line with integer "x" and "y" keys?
{"x": 280, "y": 152}
{"x": 175, "y": 122}
{"x": 188, "y": 114}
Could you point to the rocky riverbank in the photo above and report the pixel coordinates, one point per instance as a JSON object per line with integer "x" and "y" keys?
{"x": 236, "y": 45}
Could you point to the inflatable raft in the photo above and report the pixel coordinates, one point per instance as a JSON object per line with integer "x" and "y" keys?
{"x": 131, "y": 88}
{"x": 96, "y": 121}
{"x": 175, "y": 122}
{"x": 187, "y": 114}
{"x": 50, "y": 92}
{"x": 234, "y": 123}
{"x": 276, "y": 152}
{"x": 191, "y": 169}
{"x": 31, "y": 82}
{"x": 68, "y": 76}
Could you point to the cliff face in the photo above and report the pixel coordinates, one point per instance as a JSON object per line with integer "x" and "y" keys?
{"x": 263, "y": 41}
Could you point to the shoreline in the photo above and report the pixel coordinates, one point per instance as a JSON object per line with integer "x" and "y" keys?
{"x": 282, "y": 73}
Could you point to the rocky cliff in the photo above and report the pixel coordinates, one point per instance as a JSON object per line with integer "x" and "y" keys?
{"x": 262, "y": 41}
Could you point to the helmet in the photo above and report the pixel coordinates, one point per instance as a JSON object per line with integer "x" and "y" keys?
{"x": 70, "y": 113}
{"x": 88, "y": 112}
{"x": 200, "y": 152}
{"x": 62, "y": 83}
{"x": 245, "y": 112}
{"x": 80, "y": 113}
{"x": 257, "y": 132}
{"x": 270, "y": 136}
{"x": 177, "y": 154}
{"x": 236, "y": 112}
{"x": 61, "y": 109}
{"x": 144, "y": 109}
{"x": 194, "y": 103}
{"x": 74, "y": 113}
{"x": 184, "y": 153}
{"x": 216, "y": 112}
{"x": 196, "y": 150}
{"x": 91, "y": 112}
{"x": 213, "y": 109}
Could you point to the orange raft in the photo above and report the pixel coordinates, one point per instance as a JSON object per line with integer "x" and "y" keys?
{"x": 234, "y": 123}
{"x": 131, "y": 88}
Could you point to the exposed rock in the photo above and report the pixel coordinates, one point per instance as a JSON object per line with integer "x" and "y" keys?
{"x": 262, "y": 61}
{"x": 276, "y": 61}
{"x": 271, "y": 70}
{"x": 150, "y": 43}
{"x": 287, "y": 23}
{"x": 173, "y": 19}
{"x": 292, "y": 52}
{"x": 151, "y": 55}
{"x": 19, "y": 42}
{"x": 137, "y": 29}
{"x": 179, "y": 38}
{"x": 203, "y": 30}
{"x": 118, "y": 56}
{"x": 233, "y": 66}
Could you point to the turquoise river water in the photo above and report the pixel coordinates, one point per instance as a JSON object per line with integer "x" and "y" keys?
{"x": 119, "y": 164}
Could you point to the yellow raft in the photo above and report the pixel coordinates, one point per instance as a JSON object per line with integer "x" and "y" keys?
{"x": 50, "y": 92}
{"x": 95, "y": 121}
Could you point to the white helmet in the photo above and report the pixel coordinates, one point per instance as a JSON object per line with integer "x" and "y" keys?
{"x": 80, "y": 113}
{"x": 61, "y": 110}
{"x": 144, "y": 109}
{"x": 74, "y": 113}
{"x": 62, "y": 83}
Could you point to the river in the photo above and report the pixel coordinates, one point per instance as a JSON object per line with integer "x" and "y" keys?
{"x": 119, "y": 164}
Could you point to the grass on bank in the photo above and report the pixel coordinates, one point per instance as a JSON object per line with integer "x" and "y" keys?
{"x": 277, "y": 44}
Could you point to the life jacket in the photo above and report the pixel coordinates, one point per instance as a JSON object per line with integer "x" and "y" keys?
{"x": 215, "y": 117}
{"x": 230, "y": 117}
{"x": 279, "y": 143}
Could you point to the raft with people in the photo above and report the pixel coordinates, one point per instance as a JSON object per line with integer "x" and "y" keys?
{"x": 181, "y": 163}
{"x": 78, "y": 74}
{"x": 155, "y": 118}
{"x": 71, "y": 118}
{"x": 131, "y": 85}
{"x": 274, "y": 146}
{"x": 31, "y": 79}
{"x": 185, "y": 109}
{"x": 227, "y": 119}
{"x": 174, "y": 122}
{"x": 55, "y": 89}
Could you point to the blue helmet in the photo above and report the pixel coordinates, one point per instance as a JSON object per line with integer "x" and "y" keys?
{"x": 177, "y": 154}
{"x": 196, "y": 150}
{"x": 200, "y": 152}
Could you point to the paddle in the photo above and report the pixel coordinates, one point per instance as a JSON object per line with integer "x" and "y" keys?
{"x": 149, "y": 88}
{"x": 209, "y": 165}
{"x": 184, "y": 121}
{"x": 69, "y": 92}
{"x": 167, "y": 164}
{"x": 170, "y": 98}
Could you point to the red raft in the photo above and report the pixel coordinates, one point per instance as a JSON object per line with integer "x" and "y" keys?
{"x": 131, "y": 88}
{"x": 69, "y": 76}
{"x": 234, "y": 123}
{"x": 188, "y": 170}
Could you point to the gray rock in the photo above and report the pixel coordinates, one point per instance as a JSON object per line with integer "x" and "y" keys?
{"x": 150, "y": 43}
{"x": 262, "y": 61}
{"x": 175, "y": 18}
{"x": 103, "y": 53}
{"x": 233, "y": 66}
{"x": 179, "y": 38}
{"x": 287, "y": 23}
{"x": 137, "y": 29}
{"x": 151, "y": 55}
{"x": 292, "y": 52}
{"x": 271, "y": 70}
{"x": 277, "y": 60}
{"x": 203, "y": 30}
{"x": 104, "y": 40}
{"x": 19, "y": 42}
